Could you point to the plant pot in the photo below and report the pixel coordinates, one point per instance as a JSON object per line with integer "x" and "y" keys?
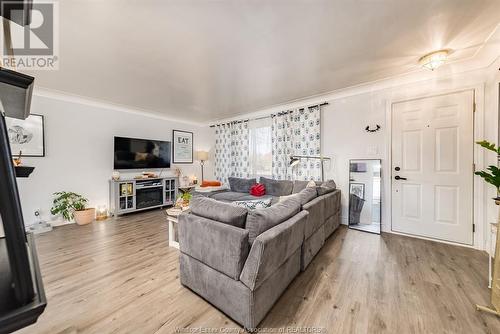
{"x": 85, "y": 217}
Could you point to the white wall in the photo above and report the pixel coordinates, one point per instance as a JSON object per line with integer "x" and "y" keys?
{"x": 344, "y": 137}
{"x": 79, "y": 151}
{"x": 351, "y": 110}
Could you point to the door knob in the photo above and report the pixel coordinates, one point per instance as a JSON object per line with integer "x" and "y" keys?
{"x": 397, "y": 177}
{"x": 397, "y": 169}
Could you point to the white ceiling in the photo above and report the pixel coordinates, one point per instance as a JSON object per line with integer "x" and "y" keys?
{"x": 205, "y": 60}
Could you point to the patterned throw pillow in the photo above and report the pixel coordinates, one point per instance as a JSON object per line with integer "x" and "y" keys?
{"x": 254, "y": 203}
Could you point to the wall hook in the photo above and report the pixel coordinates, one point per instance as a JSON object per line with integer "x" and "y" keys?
{"x": 372, "y": 130}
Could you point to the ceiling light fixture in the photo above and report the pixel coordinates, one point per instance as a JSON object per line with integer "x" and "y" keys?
{"x": 433, "y": 60}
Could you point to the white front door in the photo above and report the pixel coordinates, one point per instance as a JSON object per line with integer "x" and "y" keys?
{"x": 432, "y": 167}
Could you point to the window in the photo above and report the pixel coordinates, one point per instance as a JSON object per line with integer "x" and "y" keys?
{"x": 260, "y": 148}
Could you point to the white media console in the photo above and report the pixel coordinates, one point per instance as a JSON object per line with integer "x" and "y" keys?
{"x": 126, "y": 196}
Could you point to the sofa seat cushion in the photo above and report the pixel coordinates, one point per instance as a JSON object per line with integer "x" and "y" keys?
{"x": 259, "y": 221}
{"x": 277, "y": 187}
{"x": 219, "y": 211}
{"x": 241, "y": 185}
{"x": 254, "y": 204}
{"x": 229, "y": 196}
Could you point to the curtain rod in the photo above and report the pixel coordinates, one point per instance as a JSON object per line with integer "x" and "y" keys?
{"x": 269, "y": 116}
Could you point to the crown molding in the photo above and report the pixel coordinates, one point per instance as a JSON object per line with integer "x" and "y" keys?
{"x": 96, "y": 103}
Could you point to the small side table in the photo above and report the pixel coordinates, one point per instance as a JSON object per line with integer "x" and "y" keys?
{"x": 173, "y": 227}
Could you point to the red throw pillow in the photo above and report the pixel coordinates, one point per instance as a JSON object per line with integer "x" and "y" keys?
{"x": 258, "y": 190}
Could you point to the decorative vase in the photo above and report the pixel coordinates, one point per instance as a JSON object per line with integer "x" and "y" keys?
{"x": 85, "y": 217}
{"x": 115, "y": 176}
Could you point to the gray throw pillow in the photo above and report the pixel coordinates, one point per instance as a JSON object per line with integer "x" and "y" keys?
{"x": 277, "y": 187}
{"x": 218, "y": 211}
{"x": 241, "y": 185}
{"x": 307, "y": 195}
{"x": 326, "y": 187}
{"x": 261, "y": 220}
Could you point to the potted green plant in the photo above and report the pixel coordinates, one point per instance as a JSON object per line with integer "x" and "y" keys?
{"x": 492, "y": 174}
{"x": 71, "y": 205}
{"x": 183, "y": 199}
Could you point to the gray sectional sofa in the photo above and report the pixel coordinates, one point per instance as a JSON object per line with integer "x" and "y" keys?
{"x": 242, "y": 260}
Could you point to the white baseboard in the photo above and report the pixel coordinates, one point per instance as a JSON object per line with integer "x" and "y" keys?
{"x": 60, "y": 222}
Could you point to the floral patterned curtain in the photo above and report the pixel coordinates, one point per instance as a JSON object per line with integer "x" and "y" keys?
{"x": 240, "y": 164}
{"x": 297, "y": 132}
{"x": 231, "y": 151}
{"x": 282, "y": 135}
{"x": 222, "y": 152}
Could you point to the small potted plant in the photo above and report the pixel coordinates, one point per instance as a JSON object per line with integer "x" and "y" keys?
{"x": 492, "y": 175}
{"x": 183, "y": 199}
{"x": 71, "y": 205}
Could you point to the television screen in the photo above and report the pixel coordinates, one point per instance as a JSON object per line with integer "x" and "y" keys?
{"x": 131, "y": 153}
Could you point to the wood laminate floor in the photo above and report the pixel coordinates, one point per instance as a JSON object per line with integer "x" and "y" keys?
{"x": 120, "y": 276}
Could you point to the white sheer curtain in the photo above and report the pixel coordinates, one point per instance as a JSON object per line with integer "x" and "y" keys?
{"x": 231, "y": 151}
{"x": 297, "y": 132}
{"x": 260, "y": 148}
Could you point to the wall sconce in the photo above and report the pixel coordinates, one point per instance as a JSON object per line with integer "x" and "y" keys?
{"x": 101, "y": 213}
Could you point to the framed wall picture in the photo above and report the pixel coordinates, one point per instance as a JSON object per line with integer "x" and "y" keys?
{"x": 26, "y": 136}
{"x": 357, "y": 189}
{"x": 182, "y": 147}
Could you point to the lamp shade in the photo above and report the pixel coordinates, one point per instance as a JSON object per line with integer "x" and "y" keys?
{"x": 202, "y": 155}
{"x": 294, "y": 161}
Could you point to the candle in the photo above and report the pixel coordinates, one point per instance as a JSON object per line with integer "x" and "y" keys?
{"x": 102, "y": 212}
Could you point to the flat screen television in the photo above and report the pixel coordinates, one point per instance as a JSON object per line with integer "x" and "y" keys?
{"x": 133, "y": 153}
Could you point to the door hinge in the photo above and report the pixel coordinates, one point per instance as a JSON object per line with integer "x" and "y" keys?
{"x": 473, "y": 167}
{"x": 474, "y": 106}
{"x": 473, "y": 228}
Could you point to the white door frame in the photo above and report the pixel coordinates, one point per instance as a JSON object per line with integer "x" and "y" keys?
{"x": 478, "y": 193}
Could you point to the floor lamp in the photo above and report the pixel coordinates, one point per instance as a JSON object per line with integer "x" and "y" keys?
{"x": 295, "y": 159}
{"x": 202, "y": 156}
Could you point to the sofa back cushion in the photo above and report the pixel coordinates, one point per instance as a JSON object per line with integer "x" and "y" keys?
{"x": 326, "y": 187}
{"x": 277, "y": 187}
{"x": 219, "y": 211}
{"x": 241, "y": 185}
{"x": 261, "y": 220}
{"x": 304, "y": 196}
{"x": 299, "y": 185}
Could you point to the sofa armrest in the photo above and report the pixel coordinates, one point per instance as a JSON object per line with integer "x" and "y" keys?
{"x": 220, "y": 246}
{"x": 271, "y": 249}
{"x": 332, "y": 203}
{"x": 316, "y": 218}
